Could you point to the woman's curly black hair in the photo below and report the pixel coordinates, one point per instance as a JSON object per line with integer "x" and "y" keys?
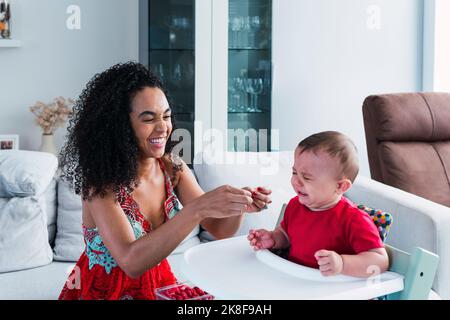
{"x": 101, "y": 151}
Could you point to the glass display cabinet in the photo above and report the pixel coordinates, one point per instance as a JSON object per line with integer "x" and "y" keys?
{"x": 249, "y": 74}
{"x": 171, "y": 46}
{"x": 215, "y": 59}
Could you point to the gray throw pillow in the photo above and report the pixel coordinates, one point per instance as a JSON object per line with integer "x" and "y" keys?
{"x": 69, "y": 243}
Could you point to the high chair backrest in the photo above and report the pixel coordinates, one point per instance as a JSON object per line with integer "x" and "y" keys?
{"x": 281, "y": 216}
{"x": 418, "y": 269}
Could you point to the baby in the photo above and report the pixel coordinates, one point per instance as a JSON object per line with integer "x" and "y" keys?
{"x": 322, "y": 228}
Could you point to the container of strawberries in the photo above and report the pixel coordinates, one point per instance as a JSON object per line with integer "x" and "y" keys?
{"x": 182, "y": 291}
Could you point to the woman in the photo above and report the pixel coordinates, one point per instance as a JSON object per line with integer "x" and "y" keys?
{"x": 118, "y": 158}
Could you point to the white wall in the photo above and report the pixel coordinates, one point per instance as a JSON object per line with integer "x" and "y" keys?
{"x": 442, "y": 46}
{"x": 55, "y": 61}
{"x": 327, "y": 60}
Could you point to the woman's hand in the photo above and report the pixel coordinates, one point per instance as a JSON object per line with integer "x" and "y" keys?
{"x": 225, "y": 201}
{"x": 260, "y": 198}
{"x": 261, "y": 239}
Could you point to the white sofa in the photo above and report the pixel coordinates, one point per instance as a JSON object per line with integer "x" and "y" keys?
{"x": 417, "y": 222}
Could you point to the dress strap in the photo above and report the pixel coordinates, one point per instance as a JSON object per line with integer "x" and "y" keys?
{"x": 168, "y": 181}
{"x": 171, "y": 205}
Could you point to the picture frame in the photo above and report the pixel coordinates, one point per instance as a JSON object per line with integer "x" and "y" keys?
{"x": 9, "y": 142}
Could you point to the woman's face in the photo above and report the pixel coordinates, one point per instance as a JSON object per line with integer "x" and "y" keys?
{"x": 151, "y": 122}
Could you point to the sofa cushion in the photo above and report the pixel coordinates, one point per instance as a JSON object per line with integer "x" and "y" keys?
{"x": 69, "y": 243}
{"x": 23, "y": 234}
{"x": 49, "y": 203}
{"x": 43, "y": 283}
{"x": 46, "y": 283}
{"x": 239, "y": 169}
{"x": 25, "y": 173}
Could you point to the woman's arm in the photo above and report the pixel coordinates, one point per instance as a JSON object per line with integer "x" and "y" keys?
{"x": 188, "y": 190}
{"x": 136, "y": 256}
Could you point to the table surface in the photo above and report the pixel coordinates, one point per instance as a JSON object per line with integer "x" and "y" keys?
{"x": 229, "y": 269}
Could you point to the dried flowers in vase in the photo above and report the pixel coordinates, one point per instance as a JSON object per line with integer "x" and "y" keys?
{"x": 53, "y": 115}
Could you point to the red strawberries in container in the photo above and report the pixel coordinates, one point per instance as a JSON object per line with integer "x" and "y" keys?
{"x": 182, "y": 291}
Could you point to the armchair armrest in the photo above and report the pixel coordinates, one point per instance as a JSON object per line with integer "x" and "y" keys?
{"x": 417, "y": 222}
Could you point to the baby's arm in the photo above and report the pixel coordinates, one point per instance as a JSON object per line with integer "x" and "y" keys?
{"x": 281, "y": 239}
{"x": 362, "y": 265}
{"x": 366, "y": 264}
{"x": 263, "y": 239}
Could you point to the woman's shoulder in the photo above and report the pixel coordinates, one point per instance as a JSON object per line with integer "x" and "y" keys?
{"x": 106, "y": 201}
{"x": 110, "y": 195}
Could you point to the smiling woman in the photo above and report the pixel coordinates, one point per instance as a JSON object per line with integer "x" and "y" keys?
{"x": 102, "y": 131}
{"x": 118, "y": 157}
{"x": 151, "y": 121}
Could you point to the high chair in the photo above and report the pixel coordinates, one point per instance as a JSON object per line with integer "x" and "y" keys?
{"x": 418, "y": 268}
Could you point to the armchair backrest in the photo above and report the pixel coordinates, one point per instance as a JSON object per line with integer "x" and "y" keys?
{"x": 408, "y": 142}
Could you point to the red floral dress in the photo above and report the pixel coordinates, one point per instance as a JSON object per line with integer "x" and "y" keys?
{"x": 96, "y": 275}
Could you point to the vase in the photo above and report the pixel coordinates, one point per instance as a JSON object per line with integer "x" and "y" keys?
{"x": 48, "y": 144}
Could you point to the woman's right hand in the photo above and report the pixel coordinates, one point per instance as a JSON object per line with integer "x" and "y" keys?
{"x": 261, "y": 239}
{"x": 222, "y": 202}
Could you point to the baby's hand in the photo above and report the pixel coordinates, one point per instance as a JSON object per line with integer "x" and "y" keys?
{"x": 330, "y": 263}
{"x": 261, "y": 239}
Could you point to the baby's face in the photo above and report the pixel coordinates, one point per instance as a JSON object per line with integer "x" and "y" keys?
{"x": 315, "y": 178}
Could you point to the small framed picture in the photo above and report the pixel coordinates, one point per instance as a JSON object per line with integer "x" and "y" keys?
{"x": 9, "y": 142}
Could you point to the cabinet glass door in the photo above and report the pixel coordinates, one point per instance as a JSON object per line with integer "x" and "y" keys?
{"x": 249, "y": 75}
{"x": 172, "y": 56}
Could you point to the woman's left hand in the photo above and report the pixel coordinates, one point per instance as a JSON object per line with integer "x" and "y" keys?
{"x": 260, "y": 198}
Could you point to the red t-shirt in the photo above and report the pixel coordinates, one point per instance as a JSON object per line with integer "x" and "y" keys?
{"x": 344, "y": 229}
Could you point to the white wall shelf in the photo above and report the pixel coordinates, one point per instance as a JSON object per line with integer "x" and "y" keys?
{"x": 10, "y": 43}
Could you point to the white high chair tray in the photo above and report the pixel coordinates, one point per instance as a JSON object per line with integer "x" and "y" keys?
{"x": 230, "y": 269}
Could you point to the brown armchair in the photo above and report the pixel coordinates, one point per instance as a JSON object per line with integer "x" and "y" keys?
{"x": 408, "y": 142}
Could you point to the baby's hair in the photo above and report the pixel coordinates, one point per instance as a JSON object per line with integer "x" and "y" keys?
{"x": 337, "y": 145}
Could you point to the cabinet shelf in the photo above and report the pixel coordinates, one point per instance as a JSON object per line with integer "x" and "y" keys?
{"x": 10, "y": 43}
{"x": 248, "y": 112}
{"x": 171, "y": 49}
{"x": 248, "y": 49}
